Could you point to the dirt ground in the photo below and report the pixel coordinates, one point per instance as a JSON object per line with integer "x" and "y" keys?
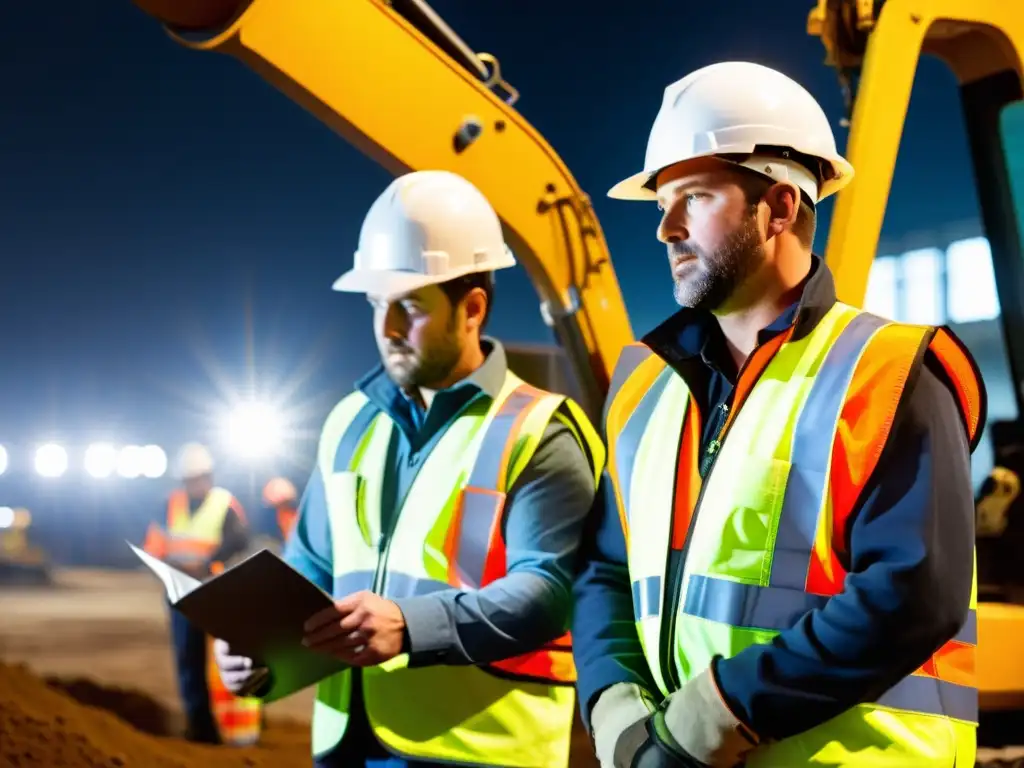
{"x": 109, "y": 626}
{"x": 102, "y": 638}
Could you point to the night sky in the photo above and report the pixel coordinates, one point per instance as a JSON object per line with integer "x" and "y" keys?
{"x": 152, "y": 198}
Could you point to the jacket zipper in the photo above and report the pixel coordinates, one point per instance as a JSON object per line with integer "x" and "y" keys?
{"x": 678, "y": 567}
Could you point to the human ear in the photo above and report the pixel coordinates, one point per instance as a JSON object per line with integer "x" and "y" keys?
{"x": 783, "y": 201}
{"x": 475, "y": 307}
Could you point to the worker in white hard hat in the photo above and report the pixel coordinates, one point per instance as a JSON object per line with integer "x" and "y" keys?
{"x": 205, "y": 527}
{"x": 783, "y": 570}
{"x": 443, "y": 515}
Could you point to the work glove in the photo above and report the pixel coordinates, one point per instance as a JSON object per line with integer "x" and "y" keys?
{"x": 692, "y": 728}
{"x": 241, "y": 675}
{"x": 616, "y": 710}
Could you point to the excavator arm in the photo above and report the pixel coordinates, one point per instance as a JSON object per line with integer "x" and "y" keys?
{"x": 396, "y": 82}
{"x": 875, "y": 45}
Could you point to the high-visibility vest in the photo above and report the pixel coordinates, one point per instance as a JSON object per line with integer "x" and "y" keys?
{"x": 448, "y": 533}
{"x": 761, "y": 536}
{"x": 194, "y": 536}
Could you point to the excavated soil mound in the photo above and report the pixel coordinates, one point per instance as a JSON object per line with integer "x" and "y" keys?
{"x": 138, "y": 710}
{"x": 43, "y": 727}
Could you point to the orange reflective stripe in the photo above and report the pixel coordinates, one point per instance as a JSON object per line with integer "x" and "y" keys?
{"x": 966, "y": 379}
{"x": 233, "y": 716}
{"x": 688, "y": 480}
{"x": 155, "y": 543}
{"x": 953, "y": 662}
{"x": 545, "y": 666}
{"x": 625, "y": 400}
{"x": 864, "y": 425}
{"x": 189, "y": 547}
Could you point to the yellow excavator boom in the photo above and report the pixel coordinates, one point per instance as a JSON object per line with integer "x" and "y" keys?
{"x": 393, "y": 80}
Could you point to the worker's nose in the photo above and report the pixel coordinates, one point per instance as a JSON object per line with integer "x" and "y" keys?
{"x": 395, "y": 325}
{"x": 671, "y": 229}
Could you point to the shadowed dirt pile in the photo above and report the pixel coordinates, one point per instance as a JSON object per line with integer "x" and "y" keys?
{"x": 79, "y": 724}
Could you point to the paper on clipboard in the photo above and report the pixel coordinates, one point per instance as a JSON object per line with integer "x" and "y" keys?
{"x": 259, "y": 607}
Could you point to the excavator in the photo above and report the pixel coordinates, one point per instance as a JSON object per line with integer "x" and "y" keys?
{"x": 368, "y": 69}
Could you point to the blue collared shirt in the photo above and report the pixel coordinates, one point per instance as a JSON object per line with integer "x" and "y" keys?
{"x": 546, "y": 509}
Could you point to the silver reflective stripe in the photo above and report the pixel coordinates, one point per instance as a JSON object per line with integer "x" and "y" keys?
{"x": 919, "y": 693}
{"x": 481, "y": 512}
{"x": 751, "y": 606}
{"x": 807, "y": 483}
{"x": 483, "y": 497}
{"x": 487, "y": 468}
{"x": 646, "y": 597}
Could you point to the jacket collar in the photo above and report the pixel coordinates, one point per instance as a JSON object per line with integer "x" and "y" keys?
{"x": 687, "y": 333}
{"x": 488, "y": 379}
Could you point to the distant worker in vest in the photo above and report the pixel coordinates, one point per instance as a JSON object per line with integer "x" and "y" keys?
{"x": 780, "y": 569}
{"x": 205, "y": 528}
{"x": 444, "y": 513}
{"x": 280, "y": 495}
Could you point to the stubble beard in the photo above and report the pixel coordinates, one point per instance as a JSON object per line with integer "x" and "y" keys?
{"x": 721, "y": 272}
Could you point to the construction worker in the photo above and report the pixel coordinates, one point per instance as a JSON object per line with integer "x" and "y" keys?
{"x": 781, "y": 569}
{"x": 444, "y": 513}
{"x": 280, "y": 495}
{"x": 205, "y": 527}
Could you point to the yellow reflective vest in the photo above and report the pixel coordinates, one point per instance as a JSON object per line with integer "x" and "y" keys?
{"x": 448, "y": 533}
{"x": 194, "y": 536}
{"x": 759, "y": 538}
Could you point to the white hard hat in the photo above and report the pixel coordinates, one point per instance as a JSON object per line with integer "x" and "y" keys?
{"x": 194, "y": 460}
{"x": 279, "y": 490}
{"x": 740, "y": 108}
{"x": 427, "y": 227}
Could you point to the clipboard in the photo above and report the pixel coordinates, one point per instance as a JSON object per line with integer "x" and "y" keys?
{"x": 259, "y": 606}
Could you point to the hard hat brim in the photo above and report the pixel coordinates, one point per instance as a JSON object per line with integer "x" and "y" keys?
{"x": 381, "y": 283}
{"x": 633, "y": 188}
{"x": 390, "y": 283}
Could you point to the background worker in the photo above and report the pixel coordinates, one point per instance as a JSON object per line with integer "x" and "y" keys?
{"x": 781, "y": 572}
{"x": 280, "y": 495}
{"x": 444, "y": 513}
{"x": 204, "y": 525}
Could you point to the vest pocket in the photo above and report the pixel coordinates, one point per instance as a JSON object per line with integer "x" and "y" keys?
{"x": 345, "y": 492}
{"x": 737, "y": 519}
